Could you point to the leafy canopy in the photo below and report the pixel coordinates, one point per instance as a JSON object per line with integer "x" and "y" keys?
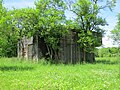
{"x": 116, "y": 32}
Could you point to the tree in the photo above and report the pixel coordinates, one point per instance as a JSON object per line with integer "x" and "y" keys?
{"x": 51, "y": 23}
{"x": 107, "y": 52}
{"x": 89, "y": 22}
{"x": 116, "y": 32}
{"x": 7, "y": 42}
{"x": 47, "y": 20}
{"x": 13, "y": 26}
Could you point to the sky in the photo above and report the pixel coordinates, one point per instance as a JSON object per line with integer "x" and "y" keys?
{"x": 111, "y": 16}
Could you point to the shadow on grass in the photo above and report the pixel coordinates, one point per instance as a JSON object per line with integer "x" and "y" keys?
{"x": 106, "y": 62}
{"x": 15, "y": 68}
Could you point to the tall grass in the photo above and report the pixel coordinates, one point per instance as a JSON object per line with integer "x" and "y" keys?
{"x": 16, "y": 74}
{"x": 108, "y": 60}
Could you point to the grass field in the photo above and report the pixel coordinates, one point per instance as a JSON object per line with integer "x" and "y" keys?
{"x": 24, "y": 75}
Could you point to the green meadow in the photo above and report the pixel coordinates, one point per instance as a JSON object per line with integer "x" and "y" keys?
{"x": 18, "y": 74}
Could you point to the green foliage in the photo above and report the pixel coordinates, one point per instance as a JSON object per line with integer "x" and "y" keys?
{"x": 116, "y": 32}
{"x": 7, "y": 34}
{"x": 107, "y": 52}
{"x": 48, "y": 21}
{"x": 23, "y": 21}
{"x": 89, "y": 22}
{"x": 51, "y": 20}
{"x": 107, "y": 60}
{"x": 16, "y": 74}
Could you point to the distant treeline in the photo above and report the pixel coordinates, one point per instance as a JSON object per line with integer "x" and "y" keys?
{"x": 107, "y": 52}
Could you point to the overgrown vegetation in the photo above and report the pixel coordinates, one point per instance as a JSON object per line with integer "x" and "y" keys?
{"x": 24, "y": 75}
{"x": 48, "y": 20}
{"x": 108, "y": 52}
